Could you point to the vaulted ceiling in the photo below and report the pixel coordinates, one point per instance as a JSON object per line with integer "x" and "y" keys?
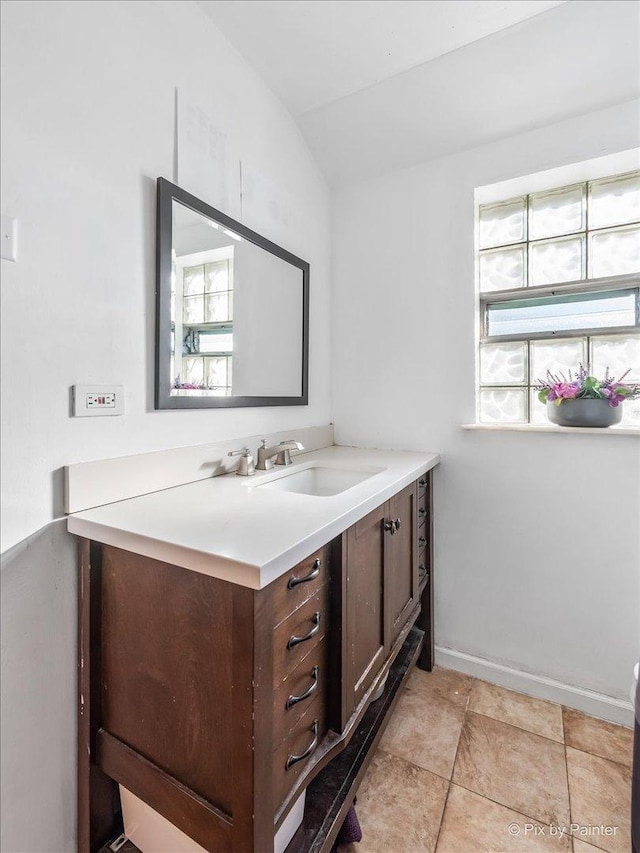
{"x": 377, "y": 85}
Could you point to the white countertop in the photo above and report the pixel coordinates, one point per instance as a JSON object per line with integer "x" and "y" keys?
{"x": 230, "y": 528}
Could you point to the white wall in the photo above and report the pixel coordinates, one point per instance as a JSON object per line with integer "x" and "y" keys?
{"x": 538, "y": 535}
{"x": 88, "y": 125}
{"x": 88, "y": 99}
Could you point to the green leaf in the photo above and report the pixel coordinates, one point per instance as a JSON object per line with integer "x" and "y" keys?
{"x": 558, "y": 400}
{"x": 543, "y": 394}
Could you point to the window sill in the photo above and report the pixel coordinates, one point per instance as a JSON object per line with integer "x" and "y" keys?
{"x": 633, "y": 431}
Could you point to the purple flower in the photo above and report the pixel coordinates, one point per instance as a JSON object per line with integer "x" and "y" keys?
{"x": 613, "y": 394}
{"x": 565, "y": 390}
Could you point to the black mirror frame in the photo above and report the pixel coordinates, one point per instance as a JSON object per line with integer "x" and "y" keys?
{"x": 167, "y": 192}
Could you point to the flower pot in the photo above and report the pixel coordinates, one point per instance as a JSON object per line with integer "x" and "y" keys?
{"x": 584, "y": 413}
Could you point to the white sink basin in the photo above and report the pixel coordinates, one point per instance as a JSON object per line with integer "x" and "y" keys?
{"x": 319, "y": 481}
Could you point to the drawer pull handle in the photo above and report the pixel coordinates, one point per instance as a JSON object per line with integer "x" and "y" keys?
{"x": 422, "y": 481}
{"x": 422, "y": 512}
{"x": 315, "y": 571}
{"x": 293, "y": 641}
{"x": 397, "y": 523}
{"x": 293, "y": 700}
{"x": 422, "y": 540}
{"x": 293, "y": 759}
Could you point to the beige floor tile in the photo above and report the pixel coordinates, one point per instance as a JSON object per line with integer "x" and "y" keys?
{"x": 425, "y": 729}
{"x": 533, "y": 715}
{"x": 399, "y": 807}
{"x": 581, "y": 847}
{"x": 518, "y": 769}
{"x": 473, "y": 824}
{"x": 600, "y": 793}
{"x": 443, "y": 683}
{"x": 588, "y": 734}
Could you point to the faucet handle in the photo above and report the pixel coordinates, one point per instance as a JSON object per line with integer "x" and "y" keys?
{"x": 247, "y": 465}
{"x": 263, "y": 442}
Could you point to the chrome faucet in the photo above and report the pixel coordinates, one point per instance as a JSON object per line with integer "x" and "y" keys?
{"x": 281, "y": 452}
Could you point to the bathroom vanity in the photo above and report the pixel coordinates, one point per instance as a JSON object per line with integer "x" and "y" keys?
{"x": 217, "y": 682}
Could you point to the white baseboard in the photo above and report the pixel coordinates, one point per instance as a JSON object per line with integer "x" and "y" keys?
{"x": 595, "y": 704}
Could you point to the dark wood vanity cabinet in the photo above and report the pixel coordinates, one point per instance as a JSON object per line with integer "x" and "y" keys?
{"x": 366, "y": 637}
{"x": 217, "y": 704}
{"x": 424, "y": 548}
{"x": 381, "y": 572}
{"x": 401, "y": 561}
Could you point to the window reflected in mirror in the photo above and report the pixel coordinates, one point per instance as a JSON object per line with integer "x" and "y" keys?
{"x": 201, "y": 305}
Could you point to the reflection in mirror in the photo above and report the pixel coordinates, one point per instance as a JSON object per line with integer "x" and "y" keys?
{"x": 201, "y": 305}
{"x": 235, "y": 331}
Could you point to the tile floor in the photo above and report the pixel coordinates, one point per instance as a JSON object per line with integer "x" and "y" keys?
{"x": 468, "y": 767}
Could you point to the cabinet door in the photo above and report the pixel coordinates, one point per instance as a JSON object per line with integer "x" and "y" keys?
{"x": 366, "y": 638}
{"x": 401, "y": 567}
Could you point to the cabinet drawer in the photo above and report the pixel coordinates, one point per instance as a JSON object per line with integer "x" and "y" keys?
{"x": 306, "y": 684}
{"x": 297, "y": 749}
{"x": 300, "y": 583}
{"x": 423, "y": 507}
{"x": 301, "y": 632}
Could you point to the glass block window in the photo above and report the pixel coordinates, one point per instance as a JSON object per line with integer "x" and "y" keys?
{"x": 559, "y": 284}
{"x": 209, "y": 373}
{"x": 207, "y": 294}
{"x": 204, "y": 326}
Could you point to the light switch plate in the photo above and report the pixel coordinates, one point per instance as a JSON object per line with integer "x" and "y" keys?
{"x": 97, "y": 401}
{"x": 8, "y": 238}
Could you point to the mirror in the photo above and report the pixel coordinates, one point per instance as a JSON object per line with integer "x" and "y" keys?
{"x": 232, "y": 320}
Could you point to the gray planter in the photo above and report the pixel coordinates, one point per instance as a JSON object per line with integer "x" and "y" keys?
{"x": 584, "y": 413}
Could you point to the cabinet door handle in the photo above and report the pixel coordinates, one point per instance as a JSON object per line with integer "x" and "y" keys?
{"x": 422, "y": 481}
{"x": 293, "y": 641}
{"x": 293, "y": 700}
{"x": 390, "y": 527}
{"x": 293, "y": 759}
{"x": 397, "y": 524}
{"x": 315, "y": 571}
